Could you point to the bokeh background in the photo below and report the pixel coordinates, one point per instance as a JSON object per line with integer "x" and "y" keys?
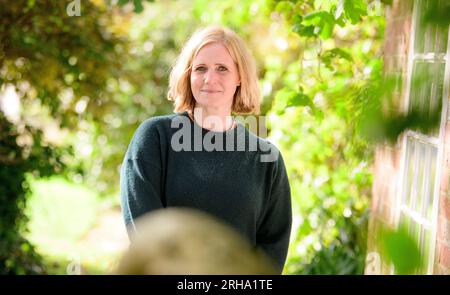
{"x": 74, "y": 88}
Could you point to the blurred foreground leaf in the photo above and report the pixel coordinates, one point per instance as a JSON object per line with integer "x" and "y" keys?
{"x": 400, "y": 249}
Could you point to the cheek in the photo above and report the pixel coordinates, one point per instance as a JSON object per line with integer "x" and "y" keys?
{"x": 231, "y": 85}
{"x": 194, "y": 82}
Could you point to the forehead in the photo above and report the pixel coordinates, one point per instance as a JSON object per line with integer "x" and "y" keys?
{"x": 214, "y": 52}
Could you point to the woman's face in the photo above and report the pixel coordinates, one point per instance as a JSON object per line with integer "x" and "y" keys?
{"x": 214, "y": 77}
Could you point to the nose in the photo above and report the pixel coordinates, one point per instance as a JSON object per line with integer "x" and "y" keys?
{"x": 209, "y": 77}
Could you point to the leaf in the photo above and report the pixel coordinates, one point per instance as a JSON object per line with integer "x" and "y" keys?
{"x": 322, "y": 21}
{"x": 284, "y": 7}
{"x": 138, "y": 8}
{"x": 299, "y": 99}
{"x": 304, "y": 31}
{"x": 328, "y": 56}
{"x": 316, "y": 18}
{"x": 400, "y": 248}
{"x": 298, "y": 28}
{"x": 341, "y": 53}
{"x": 288, "y": 98}
{"x": 354, "y": 10}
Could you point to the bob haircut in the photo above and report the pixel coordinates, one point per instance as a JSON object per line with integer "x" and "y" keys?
{"x": 247, "y": 97}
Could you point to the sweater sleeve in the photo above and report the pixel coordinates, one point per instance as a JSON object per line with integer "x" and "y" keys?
{"x": 275, "y": 229}
{"x": 141, "y": 175}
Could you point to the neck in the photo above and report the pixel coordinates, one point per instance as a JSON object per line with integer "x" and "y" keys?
{"x": 214, "y": 119}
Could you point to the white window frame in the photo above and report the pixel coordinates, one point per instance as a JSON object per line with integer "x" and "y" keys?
{"x": 435, "y": 141}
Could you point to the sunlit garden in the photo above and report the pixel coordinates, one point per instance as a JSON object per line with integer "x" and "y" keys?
{"x": 78, "y": 78}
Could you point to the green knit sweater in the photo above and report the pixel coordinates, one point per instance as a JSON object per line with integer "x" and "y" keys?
{"x": 173, "y": 162}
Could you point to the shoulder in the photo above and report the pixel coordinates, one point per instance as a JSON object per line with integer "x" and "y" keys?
{"x": 156, "y": 123}
{"x": 269, "y": 153}
{"x": 159, "y": 126}
{"x": 150, "y": 134}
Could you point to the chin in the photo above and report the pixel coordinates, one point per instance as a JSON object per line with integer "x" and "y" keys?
{"x": 209, "y": 102}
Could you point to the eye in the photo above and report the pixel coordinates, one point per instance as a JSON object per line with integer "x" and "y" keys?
{"x": 222, "y": 69}
{"x": 200, "y": 69}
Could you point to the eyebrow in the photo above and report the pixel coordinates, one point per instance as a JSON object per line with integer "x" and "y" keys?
{"x": 217, "y": 64}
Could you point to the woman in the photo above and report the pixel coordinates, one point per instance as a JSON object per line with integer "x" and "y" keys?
{"x": 195, "y": 157}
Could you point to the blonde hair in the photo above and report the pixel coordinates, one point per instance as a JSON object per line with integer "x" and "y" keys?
{"x": 247, "y": 97}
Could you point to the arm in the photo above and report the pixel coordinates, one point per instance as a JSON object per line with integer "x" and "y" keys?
{"x": 141, "y": 175}
{"x": 274, "y": 232}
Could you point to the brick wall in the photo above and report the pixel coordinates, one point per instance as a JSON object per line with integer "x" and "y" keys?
{"x": 442, "y": 257}
{"x": 388, "y": 157}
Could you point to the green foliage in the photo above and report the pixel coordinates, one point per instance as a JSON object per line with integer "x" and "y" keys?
{"x": 138, "y": 6}
{"x": 67, "y": 226}
{"x": 22, "y": 257}
{"x": 322, "y": 22}
{"x": 337, "y": 78}
{"x": 379, "y": 119}
{"x": 60, "y": 209}
{"x": 56, "y": 64}
{"x": 401, "y": 249}
{"x": 330, "y": 188}
{"x": 342, "y": 255}
{"x": 96, "y": 77}
{"x": 288, "y": 98}
{"x": 318, "y": 111}
{"x": 438, "y": 13}
{"x": 17, "y": 256}
{"x": 93, "y": 78}
{"x": 354, "y": 10}
{"x": 329, "y": 56}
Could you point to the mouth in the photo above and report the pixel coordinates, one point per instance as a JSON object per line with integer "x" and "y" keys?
{"x": 210, "y": 91}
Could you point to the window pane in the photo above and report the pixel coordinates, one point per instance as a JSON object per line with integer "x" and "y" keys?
{"x": 424, "y": 170}
{"x": 420, "y": 175}
{"x": 409, "y": 173}
{"x": 433, "y": 171}
{"x": 430, "y": 37}
{"x": 425, "y": 249}
{"x": 427, "y": 85}
{"x": 415, "y": 181}
{"x": 419, "y": 182}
